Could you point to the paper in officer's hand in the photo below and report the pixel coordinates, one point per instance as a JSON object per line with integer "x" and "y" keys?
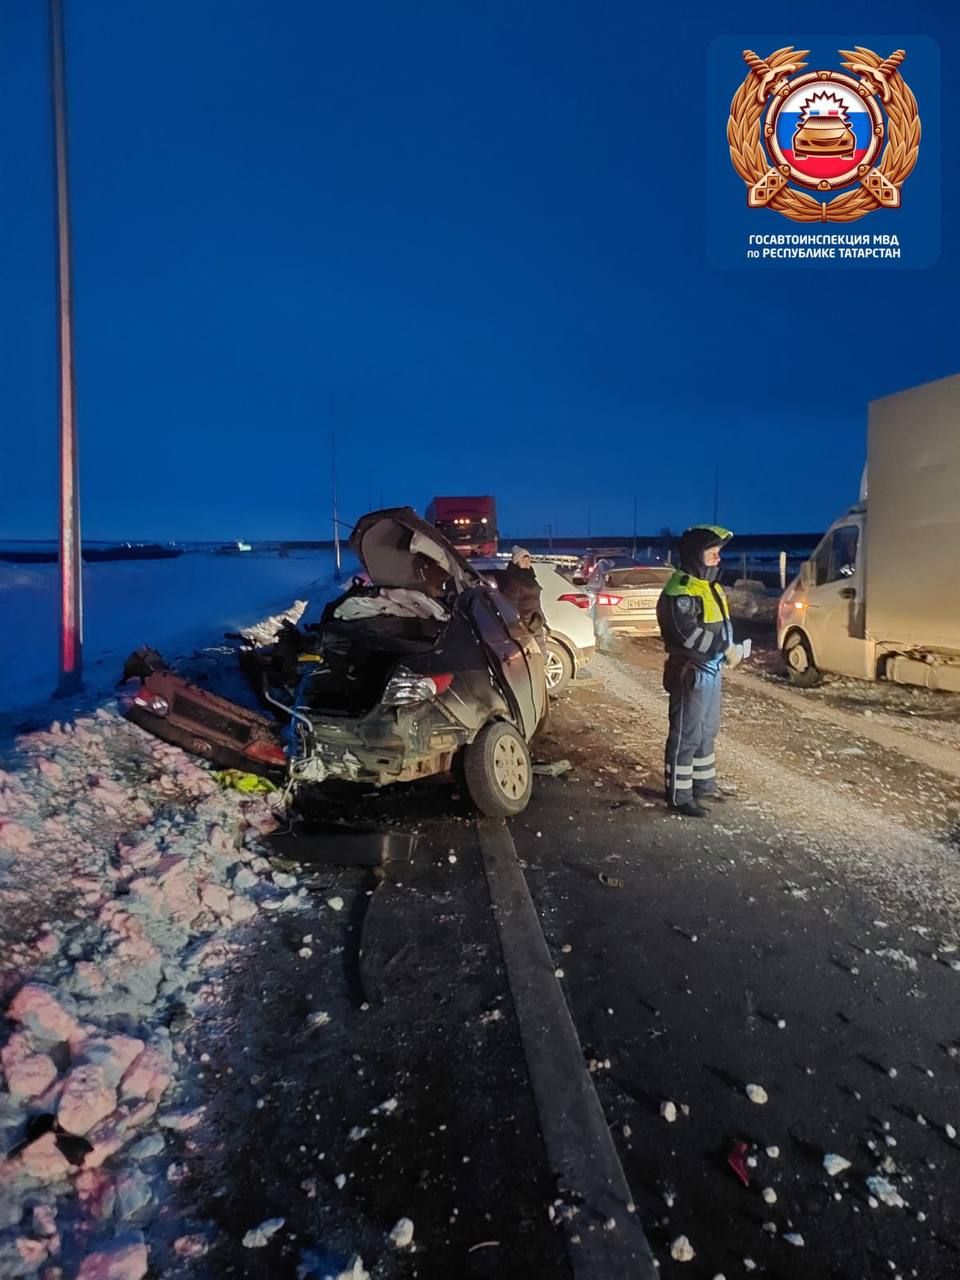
{"x": 747, "y": 646}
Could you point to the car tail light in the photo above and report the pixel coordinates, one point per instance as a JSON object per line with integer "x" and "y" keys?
{"x": 605, "y": 598}
{"x": 266, "y": 752}
{"x": 577, "y": 598}
{"x": 152, "y": 702}
{"x": 406, "y": 688}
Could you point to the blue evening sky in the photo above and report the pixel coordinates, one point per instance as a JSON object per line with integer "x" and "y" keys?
{"x": 470, "y": 235}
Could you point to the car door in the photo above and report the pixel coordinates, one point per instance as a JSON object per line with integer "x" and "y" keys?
{"x": 515, "y": 656}
{"x": 834, "y": 610}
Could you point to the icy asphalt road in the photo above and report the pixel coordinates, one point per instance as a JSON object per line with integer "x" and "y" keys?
{"x": 801, "y": 939}
{"x": 354, "y": 1051}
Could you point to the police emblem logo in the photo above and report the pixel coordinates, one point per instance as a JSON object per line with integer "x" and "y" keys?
{"x": 852, "y": 137}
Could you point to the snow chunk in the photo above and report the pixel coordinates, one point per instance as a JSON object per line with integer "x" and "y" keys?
{"x": 769, "y": 1195}
{"x": 402, "y": 1234}
{"x": 37, "y": 1008}
{"x": 149, "y": 1075}
{"x": 180, "y": 1121}
{"x": 756, "y": 1094}
{"x": 128, "y": 1262}
{"x": 87, "y": 1098}
{"x": 44, "y": 1161}
{"x": 669, "y": 1111}
{"x": 190, "y": 1246}
{"x": 335, "y": 904}
{"x": 30, "y": 1076}
{"x": 794, "y": 1238}
{"x": 133, "y": 1193}
{"x": 259, "y": 1236}
{"x": 114, "y": 1055}
{"x": 835, "y": 1164}
{"x": 682, "y": 1250}
{"x": 885, "y": 1192}
{"x": 898, "y": 957}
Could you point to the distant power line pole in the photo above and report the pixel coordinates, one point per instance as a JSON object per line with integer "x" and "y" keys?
{"x": 71, "y": 570}
{"x": 333, "y": 485}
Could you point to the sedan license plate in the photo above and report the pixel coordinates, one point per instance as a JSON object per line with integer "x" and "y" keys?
{"x": 639, "y": 603}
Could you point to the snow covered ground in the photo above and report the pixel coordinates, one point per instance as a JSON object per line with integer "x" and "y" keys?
{"x": 173, "y": 605}
{"x": 126, "y": 872}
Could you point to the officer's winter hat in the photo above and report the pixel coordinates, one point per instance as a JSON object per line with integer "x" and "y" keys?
{"x": 519, "y": 554}
{"x": 695, "y": 542}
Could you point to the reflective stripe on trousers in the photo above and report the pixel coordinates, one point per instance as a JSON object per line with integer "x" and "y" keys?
{"x": 690, "y": 767}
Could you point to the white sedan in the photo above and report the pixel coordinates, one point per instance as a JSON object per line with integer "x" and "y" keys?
{"x": 571, "y": 639}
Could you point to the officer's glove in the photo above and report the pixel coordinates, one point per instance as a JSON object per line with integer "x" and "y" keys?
{"x": 733, "y": 655}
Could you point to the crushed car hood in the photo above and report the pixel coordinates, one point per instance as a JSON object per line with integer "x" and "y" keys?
{"x": 387, "y": 544}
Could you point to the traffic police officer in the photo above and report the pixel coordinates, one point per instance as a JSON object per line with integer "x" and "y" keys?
{"x": 697, "y": 633}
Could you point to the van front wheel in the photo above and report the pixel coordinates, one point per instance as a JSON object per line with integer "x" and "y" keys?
{"x": 498, "y": 771}
{"x": 801, "y": 671}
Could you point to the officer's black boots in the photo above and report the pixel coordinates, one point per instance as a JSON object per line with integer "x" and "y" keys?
{"x": 690, "y": 809}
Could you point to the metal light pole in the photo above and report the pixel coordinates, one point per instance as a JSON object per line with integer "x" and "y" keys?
{"x": 71, "y": 579}
{"x": 336, "y": 522}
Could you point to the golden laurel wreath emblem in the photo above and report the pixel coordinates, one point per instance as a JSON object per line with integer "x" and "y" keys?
{"x": 878, "y": 185}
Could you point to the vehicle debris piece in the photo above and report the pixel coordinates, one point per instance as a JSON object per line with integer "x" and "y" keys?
{"x": 555, "y": 769}
{"x": 737, "y": 1161}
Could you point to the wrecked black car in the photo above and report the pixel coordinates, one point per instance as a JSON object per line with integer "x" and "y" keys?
{"x": 416, "y": 668}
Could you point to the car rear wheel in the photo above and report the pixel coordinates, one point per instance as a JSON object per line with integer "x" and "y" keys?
{"x": 801, "y": 671}
{"x": 498, "y": 772}
{"x": 557, "y": 666}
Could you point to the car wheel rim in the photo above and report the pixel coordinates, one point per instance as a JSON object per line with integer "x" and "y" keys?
{"x": 797, "y": 657}
{"x": 510, "y": 768}
{"x": 553, "y": 669}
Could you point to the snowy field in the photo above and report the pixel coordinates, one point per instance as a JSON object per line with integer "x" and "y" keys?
{"x": 129, "y": 878}
{"x": 173, "y": 605}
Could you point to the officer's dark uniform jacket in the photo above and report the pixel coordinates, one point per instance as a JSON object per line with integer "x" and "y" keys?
{"x": 694, "y": 619}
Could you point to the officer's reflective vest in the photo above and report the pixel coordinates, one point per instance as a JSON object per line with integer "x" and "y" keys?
{"x": 694, "y": 617}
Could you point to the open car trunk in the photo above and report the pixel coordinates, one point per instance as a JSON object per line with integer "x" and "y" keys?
{"x": 368, "y": 632}
{"x": 359, "y": 655}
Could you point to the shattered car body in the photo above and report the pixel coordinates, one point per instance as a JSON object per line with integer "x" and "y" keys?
{"x": 221, "y": 731}
{"x": 414, "y": 667}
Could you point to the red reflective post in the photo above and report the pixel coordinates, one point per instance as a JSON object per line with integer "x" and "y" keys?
{"x": 71, "y": 580}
